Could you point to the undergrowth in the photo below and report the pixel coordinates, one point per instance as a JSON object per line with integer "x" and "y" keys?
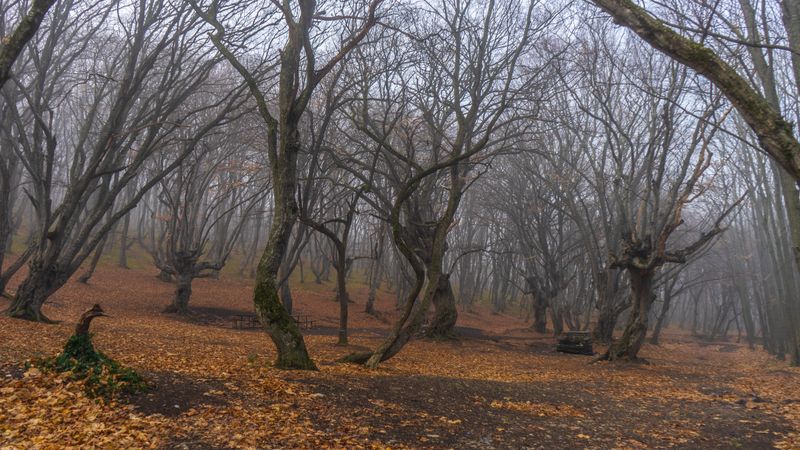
{"x": 101, "y": 375}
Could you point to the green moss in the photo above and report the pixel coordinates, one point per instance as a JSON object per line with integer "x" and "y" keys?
{"x": 102, "y": 376}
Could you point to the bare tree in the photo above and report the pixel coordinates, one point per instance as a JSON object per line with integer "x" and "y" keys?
{"x": 453, "y": 104}
{"x": 661, "y": 156}
{"x": 134, "y": 114}
{"x": 298, "y": 76}
{"x": 211, "y": 188}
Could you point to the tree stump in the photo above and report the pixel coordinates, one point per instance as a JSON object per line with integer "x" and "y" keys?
{"x": 102, "y": 375}
{"x": 82, "y": 329}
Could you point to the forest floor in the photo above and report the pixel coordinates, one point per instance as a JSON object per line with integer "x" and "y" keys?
{"x": 498, "y": 386}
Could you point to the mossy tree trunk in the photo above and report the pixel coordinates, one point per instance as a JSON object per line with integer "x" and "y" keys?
{"x": 774, "y": 133}
{"x": 282, "y": 329}
{"x": 297, "y": 63}
{"x": 13, "y": 44}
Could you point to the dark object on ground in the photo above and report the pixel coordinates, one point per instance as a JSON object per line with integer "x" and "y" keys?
{"x": 104, "y": 376}
{"x": 577, "y": 342}
{"x": 243, "y": 321}
{"x": 82, "y": 328}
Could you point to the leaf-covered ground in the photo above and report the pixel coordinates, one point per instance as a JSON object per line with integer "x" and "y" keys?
{"x": 499, "y": 386}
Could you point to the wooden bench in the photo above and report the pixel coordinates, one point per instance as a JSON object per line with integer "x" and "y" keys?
{"x": 243, "y": 321}
{"x": 578, "y": 342}
{"x": 246, "y": 321}
{"x": 303, "y": 321}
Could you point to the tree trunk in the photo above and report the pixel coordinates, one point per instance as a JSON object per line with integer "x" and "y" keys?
{"x": 164, "y": 276}
{"x": 5, "y": 276}
{"x": 341, "y": 295}
{"x": 443, "y": 324}
{"x": 278, "y": 323}
{"x": 635, "y": 331}
{"x": 558, "y": 321}
{"x": 609, "y": 306}
{"x": 661, "y": 316}
{"x": 123, "y": 242}
{"x": 93, "y": 263}
{"x": 286, "y": 297}
{"x": 774, "y": 133}
{"x": 285, "y": 290}
{"x": 40, "y": 283}
{"x": 375, "y": 276}
{"x": 606, "y": 322}
{"x": 183, "y": 291}
{"x": 539, "y": 314}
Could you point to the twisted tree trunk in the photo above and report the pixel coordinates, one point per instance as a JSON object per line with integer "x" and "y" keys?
{"x": 632, "y": 338}
{"x": 443, "y": 324}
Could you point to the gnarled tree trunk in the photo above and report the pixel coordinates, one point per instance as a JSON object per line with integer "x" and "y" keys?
{"x": 632, "y": 338}
{"x": 37, "y": 287}
{"x": 183, "y": 292}
{"x": 445, "y": 316}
